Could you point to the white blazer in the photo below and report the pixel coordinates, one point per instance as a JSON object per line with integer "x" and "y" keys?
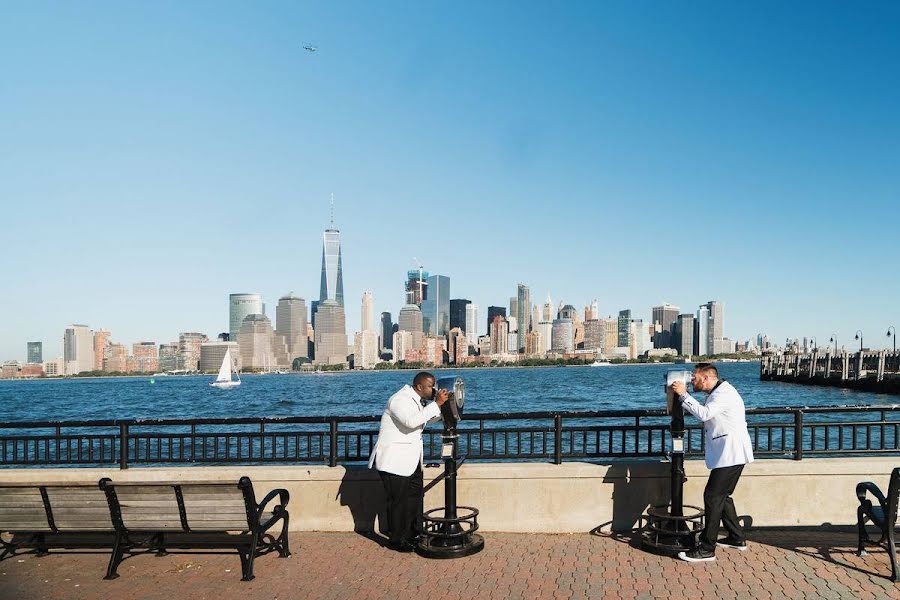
{"x": 727, "y": 440}
{"x": 399, "y": 446}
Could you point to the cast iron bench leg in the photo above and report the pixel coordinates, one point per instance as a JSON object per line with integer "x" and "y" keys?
{"x": 861, "y": 526}
{"x": 115, "y": 558}
{"x": 284, "y": 551}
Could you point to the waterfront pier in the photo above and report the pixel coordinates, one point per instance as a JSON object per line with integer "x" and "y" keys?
{"x": 867, "y": 370}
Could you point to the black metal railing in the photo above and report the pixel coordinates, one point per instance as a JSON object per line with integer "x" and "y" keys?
{"x": 544, "y": 436}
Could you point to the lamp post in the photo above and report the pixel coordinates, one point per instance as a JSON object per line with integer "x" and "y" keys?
{"x": 858, "y": 336}
{"x": 834, "y": 340}
{"x": 814, "y": 343}
{"x": 894, "y": 336}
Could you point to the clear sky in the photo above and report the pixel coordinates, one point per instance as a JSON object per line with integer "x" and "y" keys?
{"x": 157, "y": 156}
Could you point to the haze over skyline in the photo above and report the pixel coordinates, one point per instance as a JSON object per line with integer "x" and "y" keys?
{"x": 156, "y": 157}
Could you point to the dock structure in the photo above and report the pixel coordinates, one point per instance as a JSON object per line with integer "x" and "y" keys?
{"x": 867, "y": 370}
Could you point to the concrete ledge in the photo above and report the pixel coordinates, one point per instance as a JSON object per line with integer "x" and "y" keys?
{"x": 537, "y": 497}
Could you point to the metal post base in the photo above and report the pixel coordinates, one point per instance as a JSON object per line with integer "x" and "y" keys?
{"x": 450, "y": 537}
{"x": 667, "y": 534}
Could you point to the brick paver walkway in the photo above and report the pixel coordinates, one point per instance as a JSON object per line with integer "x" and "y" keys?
{"x": 779, "y": 564}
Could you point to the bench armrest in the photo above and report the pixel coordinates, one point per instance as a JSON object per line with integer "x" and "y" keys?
{"x": 284, "y": 498}
{"x": 868, "y": 486}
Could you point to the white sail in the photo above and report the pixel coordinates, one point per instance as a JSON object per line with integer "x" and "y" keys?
{"x": 225, "y": 369}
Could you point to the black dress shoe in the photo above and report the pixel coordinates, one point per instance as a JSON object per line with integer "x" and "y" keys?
{"x": 415, "y": 540}
{"x": 403, "y": 546}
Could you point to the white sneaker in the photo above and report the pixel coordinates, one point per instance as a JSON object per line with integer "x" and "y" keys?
{"x": 697, "y": 556}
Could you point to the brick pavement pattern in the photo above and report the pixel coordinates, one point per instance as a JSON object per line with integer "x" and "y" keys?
{"x": 779, "y": 564}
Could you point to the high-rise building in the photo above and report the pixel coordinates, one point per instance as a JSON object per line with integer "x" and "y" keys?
{"x": 458, "y": 313}
{"x": 410, "y": 319}
{"x": 593, "y": 311}
{"x": 545, "y": 328}
{"x": 239, "y": 306}
{"x": 610, "y": 333}
{"x": 331, "y": 334}
{"x": 593, "y": 334}
{"x": 547, "y": 312}
{"x": 101, "y": 341}
{"x": 472, "y": 324}
{"x": 78, "y": 349}
{"x": 436, "y": 306}
{"x": 664, "y": 316}
{"x": 260, "y": 348}
{"x": 35, "y": 352}
{"x": 213, "y": 353}
{"x": 499, "y": 333}
{"x": 624, "y": 318}
{"x": 115, "y": 358}
{"x": 568, "y": 312}
{"x": 514, "y": 306}
{"x": 523, "y": 314}
{"x": 189, "y": 343}
{"x": 365, "y": 349}
{"x": 332, "y": 283}
{"x": 715, "y": 332}
{"x": 416, "y": 286}
{"x": 367, "y": 317}
{"x": 458, "y": 345}
{"x": 638, "y": 338}
{"x": 387, "y": 331}
{"x": 290, "y": 326}
{"x": 684, "y": 334}
{"x": 146, "y": 357}
{"x": 562, "y": 336}
{"x": 402, "y": 343}
{"x": 495, "y": 311}
{"x": 701, "y": 332}
{"x": 168, "y": 357}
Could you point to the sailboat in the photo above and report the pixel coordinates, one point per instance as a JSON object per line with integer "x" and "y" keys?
{"x": 224, "y": 381}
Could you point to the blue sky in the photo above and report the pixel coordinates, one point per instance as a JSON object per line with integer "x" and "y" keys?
{"x": 155, "y": 157}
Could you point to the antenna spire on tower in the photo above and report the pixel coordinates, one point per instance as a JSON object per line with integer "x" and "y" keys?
{"x": 332, "y": 210}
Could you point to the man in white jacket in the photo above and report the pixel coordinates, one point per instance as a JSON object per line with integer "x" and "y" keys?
{"x": 398, "y": 456}
{"x": 728, "y": 449}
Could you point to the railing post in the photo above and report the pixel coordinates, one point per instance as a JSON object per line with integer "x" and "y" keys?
{"x": 798, "y": 435}
{"x": 193, "y": 442}
{"x": 332, "y": 453}
{"x": 123, "y": 445}
{"x": 557, "y": 444}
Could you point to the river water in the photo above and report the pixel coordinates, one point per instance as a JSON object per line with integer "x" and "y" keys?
{"x": 616, "y": 387}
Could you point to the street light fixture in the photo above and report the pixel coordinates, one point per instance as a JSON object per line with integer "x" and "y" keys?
{"x": 814, "y": 343}
{"x": 894, "y": 336}
{"x": 858, "y": 336}
{"x": 834, "y": 341}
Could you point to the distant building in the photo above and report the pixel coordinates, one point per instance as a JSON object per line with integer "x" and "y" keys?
{"x": 416, "y": 287}
{"x": 624, "y": 319}
{"x": 78, "y": 349}
{"x": 146, "y": 357}
{"x": 332, "y": 280}
{"x": 168, "y": 357}
{"x": 54, "y": 368}
{"x": 664, "y": 316}
{"x": 562, "y": 337}
{"x": 402, "y": 343}
{"x": 115, "y": 358}
{"x": 436, "y": 306}
{"x": 410, "y": 319}
{"x": 494, "y": 311}
{"x": 499, "y": 333}
{"x": 534, "y": 344}
{"x": 387, "y": 331}
{"x": 367, "y": 316}
{"x": 213, "y": 353}
{"x": 260, "y": 348}
{"x": 610, "y": 328}
{"x": 290, "y": 326}
{"x": 545, "y": 328}
{"x": 701, "y": 332}
{"x": 365, "y": 349}
{"x": 547, "y": 312}
{"x": 239, "y": 306}
{"x": 35, "y": 352}
{"x": 715, "y": 331}
{"x": 189, "y": 343}
{"x": 684, "y": 334}
{"x": 471, "y": 328}
{"x": 458, "y": 345}
{"x": 331, "y": 334}
{"x": 593, "y": 334}
{"x": 523, "y": 315}
{"x": 101, "y": 341}
{"x": 458, "y": 313}
{"x": 639, "y": 338}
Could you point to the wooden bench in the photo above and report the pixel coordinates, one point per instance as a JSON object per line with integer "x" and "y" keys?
{"x": 195, "y": 515}
{"x": 883, "y": 516}
{"x": 53, "y": 516}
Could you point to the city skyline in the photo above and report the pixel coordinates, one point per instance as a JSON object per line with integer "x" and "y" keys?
{"x": 739, "y": 137}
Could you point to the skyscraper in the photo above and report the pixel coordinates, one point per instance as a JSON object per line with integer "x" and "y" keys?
{"x": 562, "y": 337}
{"x": 189, "y": 346}
{"x": 624, "y": 318}
{"x": 499, "y": 332}
{"x": 410, "y": 319}
{"x": 367, "y": 321}
{"x": 494, "y": 311}
{"x": 332, "y": 284}
{"x": 239, "y": 306}
{"x": 436, "y": 306}
{"x": 547, "y": 311}
{"x": 416, "y": 286}
{"x": 365, "y": 349}
{"x": 684, "y": 334}
{"x": 78, "y": 349}
{"x": 523, "y": 314}
{"x": 701, "y": 331}
{"x": 458, "y": 313}
{"x": 331, "y": 334}
{"x": 715, "y": 332}
{"x": 290, "y": 326}
{"x": 665, "y": 317}
{"x": 35, "y": 352}
{"x": 387, "y": 331}
{"x": 101, "y": 341}
{"x": 471, "y": 328}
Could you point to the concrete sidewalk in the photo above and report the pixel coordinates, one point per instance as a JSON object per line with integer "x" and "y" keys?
{"x": 779, "y": 564}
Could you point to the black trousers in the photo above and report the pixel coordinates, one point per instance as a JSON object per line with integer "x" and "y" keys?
{"x": 719, "y": 506}
{"x": 404, "y": 504}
